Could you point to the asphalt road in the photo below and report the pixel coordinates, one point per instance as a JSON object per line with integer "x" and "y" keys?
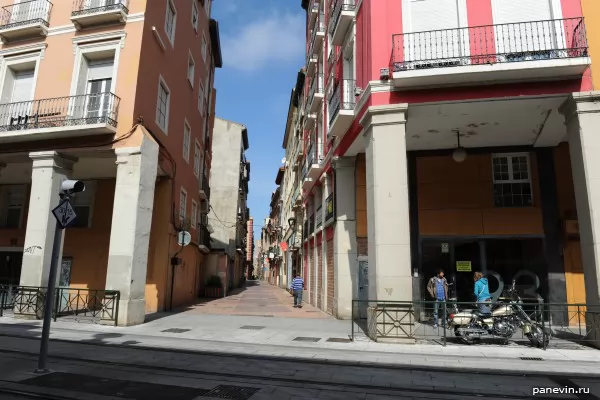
{"x": 96, "y": 371}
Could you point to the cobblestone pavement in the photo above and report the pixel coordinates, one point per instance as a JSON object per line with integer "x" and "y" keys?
{"x": 257, "y": 299}
{"x": 97, "y": 372}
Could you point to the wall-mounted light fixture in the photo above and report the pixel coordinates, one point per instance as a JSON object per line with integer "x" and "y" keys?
{"x": 292, "y": 223}
{"x": 459, "y": 154}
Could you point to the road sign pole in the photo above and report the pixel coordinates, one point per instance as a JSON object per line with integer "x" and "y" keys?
{"x": 49, "y": 303}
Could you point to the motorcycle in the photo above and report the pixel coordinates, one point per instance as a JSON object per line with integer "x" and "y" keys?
{"x": 502, "y": 323}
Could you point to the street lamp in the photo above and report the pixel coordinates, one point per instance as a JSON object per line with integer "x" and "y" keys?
{"x": 292, "y": 223}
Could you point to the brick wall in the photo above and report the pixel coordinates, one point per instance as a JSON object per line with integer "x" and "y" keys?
{"x": 330, "y": 277}
{"x": 320, "y": 276}
{"x": 362, "y": 246}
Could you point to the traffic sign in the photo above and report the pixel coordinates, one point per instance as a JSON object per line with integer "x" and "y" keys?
{"x": 64, "y": 213}
{"x": 184, "y": 238}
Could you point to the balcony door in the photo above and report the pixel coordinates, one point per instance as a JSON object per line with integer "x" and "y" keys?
{"x": 432, "y": 36}
{"x": 98, "y": 89}
{"x": 17, "y": 95}
{"x": 29, "y": 10}
{"x": 524, "y": 30}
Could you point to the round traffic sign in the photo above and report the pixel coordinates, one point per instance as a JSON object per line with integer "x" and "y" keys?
{"x": 184, "y": 238}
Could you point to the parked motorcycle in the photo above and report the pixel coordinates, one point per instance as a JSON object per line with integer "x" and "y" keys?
{"x": 502, "y": 323}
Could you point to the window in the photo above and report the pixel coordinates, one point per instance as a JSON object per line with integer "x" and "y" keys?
{"x": 182, "y": 204}
{"x": 201, "y": 99}
{"x": 12, "y": 203}
{"x": 82, "y": 205}
{"x": 195, "y": 15}
{"x": 162, "y": 105}
{"x": 187, "y": 133}
{"x": 194, "y": 221}
{"x": 512, "y": 180}
{"x": 197, "y": 159}
{"x": 170, "y": 21}
{"x": 204, "y": 48}
{"x": 191, "y": 69}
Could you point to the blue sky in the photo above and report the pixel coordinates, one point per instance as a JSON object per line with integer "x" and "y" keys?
{"x": 262, "y": 43}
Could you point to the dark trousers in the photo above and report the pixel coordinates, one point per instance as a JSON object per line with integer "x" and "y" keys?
{"x": 298, "y": 297}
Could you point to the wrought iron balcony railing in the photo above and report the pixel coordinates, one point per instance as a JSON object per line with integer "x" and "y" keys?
{"x": 84, "y": 7}
{"x": 25, "y": 13}
{"x": 311, "y": 224}
{"x": 204, "y": 236}
{"x": 319, "y": 217}
{"x": 316, "y": 86}
{"x": 310, "y": 159}
{"x": 341, "y": 97}
{"x": 490, "y": 44}
{"x": 337, "y": 6}
{"x": 86, "y": 109}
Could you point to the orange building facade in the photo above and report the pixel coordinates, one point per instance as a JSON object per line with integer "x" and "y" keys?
{"x": 118, "y": 94}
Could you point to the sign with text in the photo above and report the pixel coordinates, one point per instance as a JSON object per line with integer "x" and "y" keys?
{"x": 463, "y": 266}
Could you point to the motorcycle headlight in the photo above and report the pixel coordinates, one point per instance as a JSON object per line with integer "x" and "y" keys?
{"x": 526, "y": 329}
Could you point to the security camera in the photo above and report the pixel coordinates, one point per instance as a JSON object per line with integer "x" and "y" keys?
{"x": 71, "y": 186}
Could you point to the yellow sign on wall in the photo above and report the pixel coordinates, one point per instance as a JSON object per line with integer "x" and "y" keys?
{"x": 463, "y": 266}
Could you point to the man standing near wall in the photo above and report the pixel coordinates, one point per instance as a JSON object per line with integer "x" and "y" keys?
{"x": 438, "y": 289}
{"x": 297, "y": 288}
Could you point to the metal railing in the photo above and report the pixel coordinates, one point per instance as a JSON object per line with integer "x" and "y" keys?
{"x": 337, "y": 6}
{"x": 311, "y": 223}
{"x": 319, "y": 217}
{"x": 83, "y": 7}
{"x": 204, "y": 236}
{"x": 341, "y": 98}
{"x": 26, "y": 13}
{"x": 316, "y": 86}
{"x": 562, "y": 325}
{"x": 87, "y": 109}
{"x": 319, "y": 27}
{"x": 330, "y": 210}
{"x": 78, "y": 304}
{"x": 310, "y": 159}
{"x": 490, "y": 44}
{"x": 206, "y": 186}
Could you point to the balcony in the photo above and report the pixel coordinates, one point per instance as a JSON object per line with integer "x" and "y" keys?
{"x": 313, "y": 12}
{"x": 204, "y": 192}
{"x": 315, "y": 95}
{"x": 310, "y": 120}
{"x": 296, "y": 198}
{"x": 90, "y": 13}
{"x": 318, "y": 35}
{"x": 25, "y": 20}
{"x": 61, "y": 117}
{"x": 526, "y": 51}
{"x": 204, "y": 239}
{"x": 342, "y": 14}
{"x": 311, "y": 62}
{"x": 319, "y": 217}
{"x": 312, "y": 165}
{"x": 341, "y": 104}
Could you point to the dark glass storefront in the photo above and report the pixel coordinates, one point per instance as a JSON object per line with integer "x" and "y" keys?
{"x": 500, "y": 259}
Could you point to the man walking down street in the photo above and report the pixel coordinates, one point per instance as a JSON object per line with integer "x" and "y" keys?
{"x": 438, "y": 289}
{"x": 297, "y": 288}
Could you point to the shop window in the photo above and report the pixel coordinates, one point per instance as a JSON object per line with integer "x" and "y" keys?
{"x": 83, "y": 203}
{"x": 512, "y": 180}
{"x": 12, "y": 204}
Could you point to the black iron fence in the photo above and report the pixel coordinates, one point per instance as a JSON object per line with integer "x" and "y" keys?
{"x": 316, "y": 86}
{"x": 78, "y": 304}
{"x": 490, "y": 44}
{"x": 319, "y": 217}
{"x": 566, "y": 326}
{"x": 25, "y": 13}
{"x": 87, "y": 109}
{"x": 341, "y": 98}
{"x": 84, "y": 7}
{"x": 337, "y": 6}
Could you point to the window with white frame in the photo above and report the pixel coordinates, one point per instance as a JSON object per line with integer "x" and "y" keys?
{"x": 195, "y": 16}
{"x": 194, "y": 221}
{"x": 83, "y": 203}
{"x": 187, "y": 135}
{"x": 512, "y": 180}
{"x": 12, "y": 205}
{"x": 201, "y": 98}
{"x": 182, "y": 204}
{"x": 162, "y": 105}
{"x": 196, "y": 159}
{"x": 204, "y": 48}
{"x": 170, "y": 21}
{"x": 191, "y": 69}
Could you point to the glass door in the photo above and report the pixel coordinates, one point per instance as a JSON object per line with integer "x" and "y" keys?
{"x": 467, "y": 261}
{"x": 99, "y": 98}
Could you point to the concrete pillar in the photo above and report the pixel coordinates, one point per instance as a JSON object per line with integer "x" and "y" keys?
{"x": 130, "y": 232}
{"x": 582, "y": 117}
{"x": 390, "y": 275}
{"x": 344, "y": 242}
{"x": 50, "y": 169}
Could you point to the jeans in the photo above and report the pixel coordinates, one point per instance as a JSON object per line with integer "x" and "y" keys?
{"x": 485, "y": 307}
{"x": 438, "y": 303}
{"x": 298, "y": 297}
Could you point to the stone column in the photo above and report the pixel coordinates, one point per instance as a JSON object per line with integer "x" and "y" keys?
{"x": 325, "y": 188}
{"x": 130, "y": 231}
{"x": 582, "y": 117}
{"x": 390, "y": 268}
{"x": 50, "y": 169}
{"x": 344, "y": 238}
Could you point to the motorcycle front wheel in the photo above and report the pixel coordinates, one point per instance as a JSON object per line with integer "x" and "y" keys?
{"x": 537, "y": 337}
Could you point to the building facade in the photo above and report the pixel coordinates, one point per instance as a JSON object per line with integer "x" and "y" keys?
{"x": 452, "y": 134}
{"x": 229, "y": 213}
{"x": 119, "y": 95}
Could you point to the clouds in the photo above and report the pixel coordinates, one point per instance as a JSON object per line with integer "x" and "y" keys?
{"x": 275, "y": 39}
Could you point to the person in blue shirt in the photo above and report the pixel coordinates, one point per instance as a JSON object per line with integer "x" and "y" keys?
{"x": 297, "y": 288}
{"x": 482, "y": 293}
{"x": 438, "y": 289}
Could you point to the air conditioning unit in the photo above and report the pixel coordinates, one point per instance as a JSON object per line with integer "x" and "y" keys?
{"x": 204, "y": 207}
{"x": 357, "y": 91}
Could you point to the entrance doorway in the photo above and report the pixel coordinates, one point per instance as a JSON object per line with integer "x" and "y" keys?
{"x": 10, "y": 272}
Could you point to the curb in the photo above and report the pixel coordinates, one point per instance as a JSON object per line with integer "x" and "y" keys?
{"x": 325, "y": 361}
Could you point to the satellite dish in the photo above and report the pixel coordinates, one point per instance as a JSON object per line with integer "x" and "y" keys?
{"x": 184, "y": 238}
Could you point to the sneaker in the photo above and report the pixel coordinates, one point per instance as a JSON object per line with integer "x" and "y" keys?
{"x": 435, "y": 326}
